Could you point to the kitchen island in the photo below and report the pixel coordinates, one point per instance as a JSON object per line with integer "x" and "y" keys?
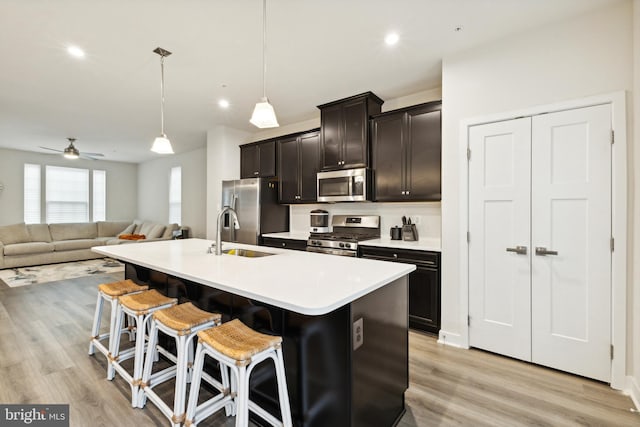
{"x": 343, "y": 320}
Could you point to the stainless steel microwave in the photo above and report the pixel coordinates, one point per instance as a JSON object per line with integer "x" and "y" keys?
{"x": 348, "y": 185}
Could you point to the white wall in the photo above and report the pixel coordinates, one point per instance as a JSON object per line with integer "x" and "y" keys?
{"x": 591, "y": 54}
{"x": 153, "y": 189}
{"x": 223, "y": 163}
{"x": 634, "y": 203}
{"x": 121, "y": 195}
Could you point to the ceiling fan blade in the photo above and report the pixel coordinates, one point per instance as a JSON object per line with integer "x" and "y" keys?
{"x": 93, "y": 154}
{"x": 52, "y": 149}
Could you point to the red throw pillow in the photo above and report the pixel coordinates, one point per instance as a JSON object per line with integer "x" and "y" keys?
{"x": 132, "y": 236}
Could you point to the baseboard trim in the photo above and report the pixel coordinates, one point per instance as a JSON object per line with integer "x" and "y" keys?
{"x": 633, "y": 389}
{"x": 451, "y": 339}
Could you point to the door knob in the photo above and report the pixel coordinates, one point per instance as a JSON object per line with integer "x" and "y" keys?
{"x": 542, "y": 251}
{"x": 520, "y": 250}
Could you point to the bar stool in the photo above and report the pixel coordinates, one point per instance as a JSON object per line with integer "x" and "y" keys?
{"x": 182, "y": 322}
{"x": 110, "y": 292}
{"x": 139, "y": 307}
{"x": 240, "y": 348}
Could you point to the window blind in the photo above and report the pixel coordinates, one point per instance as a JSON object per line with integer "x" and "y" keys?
{"x": 175, "y": 195}
{"x": 99, "y": 195}
{"x": 32, "y": 194}
{"x": 67, "y": 194}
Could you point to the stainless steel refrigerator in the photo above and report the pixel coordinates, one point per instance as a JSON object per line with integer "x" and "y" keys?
{"x": 255, "y": 200}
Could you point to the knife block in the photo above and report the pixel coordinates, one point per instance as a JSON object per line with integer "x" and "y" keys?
{"x": 409, "y": 232}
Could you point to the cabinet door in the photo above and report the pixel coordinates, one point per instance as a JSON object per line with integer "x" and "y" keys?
{"x": 424, "y": 300}
{"x": 424, "y": 155}
{"x": 267, "y": 159}
{"x": 249, "y": 161}
{"x": 309, "y": 165}
{"x": 354, "y": 144}
{"x": 332, "y": 124}
{"x": 288, "y": 188}
{"x": 388, "y": 158}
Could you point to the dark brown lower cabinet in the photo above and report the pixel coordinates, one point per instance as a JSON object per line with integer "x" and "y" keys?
{"x": 424, "y": 283}
{"x": 274, "y": 242}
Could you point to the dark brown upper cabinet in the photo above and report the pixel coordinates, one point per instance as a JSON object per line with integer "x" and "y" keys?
{"x": 344, "y": 131}
{"x": 258, "y": 159}
{"x": 406, "y": 153}
{"x": 298, "y": 163}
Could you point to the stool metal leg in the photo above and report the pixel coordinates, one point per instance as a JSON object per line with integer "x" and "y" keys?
{"x": 182, "y": 348}
{"x": 95, "y": 329}
{"x": 148, "y": 362}
{"x": 282, "y": 388}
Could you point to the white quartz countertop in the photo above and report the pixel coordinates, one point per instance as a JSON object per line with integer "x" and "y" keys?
{"x": 304, "y": 282}
{"x": 429, "y": 244}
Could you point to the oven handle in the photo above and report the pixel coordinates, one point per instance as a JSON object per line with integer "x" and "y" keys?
{"x": 330, "y": 251}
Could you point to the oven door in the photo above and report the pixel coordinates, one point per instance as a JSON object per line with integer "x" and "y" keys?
{"x": 332, "y": 251}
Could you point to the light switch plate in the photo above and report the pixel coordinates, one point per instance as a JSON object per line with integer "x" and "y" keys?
{"x": 358, "y": 334}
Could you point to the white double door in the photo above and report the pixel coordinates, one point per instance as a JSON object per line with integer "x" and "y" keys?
{"x": 540, "y": 239}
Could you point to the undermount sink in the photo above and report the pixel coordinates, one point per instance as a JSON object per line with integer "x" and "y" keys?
{"x": 246, "y": 253}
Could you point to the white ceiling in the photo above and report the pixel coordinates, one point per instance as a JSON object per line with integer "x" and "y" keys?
{"x": 317, "y": 51}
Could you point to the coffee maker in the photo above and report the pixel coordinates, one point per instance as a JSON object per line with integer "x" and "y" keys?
{"x": 319, "y": 221}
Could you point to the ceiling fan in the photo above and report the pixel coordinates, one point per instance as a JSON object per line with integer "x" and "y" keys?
{"x": 71, "y": 152}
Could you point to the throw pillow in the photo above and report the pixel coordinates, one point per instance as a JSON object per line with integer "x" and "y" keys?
{"x": 128, "y": 230}
{"x": 132, "y": 236}
{"x": 145, "y": 228}
{"x": 16, "y": 233}
{"x": 156, "y": 231}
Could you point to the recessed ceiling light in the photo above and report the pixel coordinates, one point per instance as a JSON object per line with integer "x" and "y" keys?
{"x": 75, "y": 51}
{"x": 458, "y": 28}
{"x": 223, "y": 103}
{"x": 391, "y": 39}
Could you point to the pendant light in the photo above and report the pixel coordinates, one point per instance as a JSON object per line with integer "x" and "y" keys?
{"x": 162, "y": 145}
{"x": 263, "y": 114}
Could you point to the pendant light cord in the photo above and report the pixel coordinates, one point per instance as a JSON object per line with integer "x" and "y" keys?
{"x": 162, "y": 94}
{"x": 264, "y": 49}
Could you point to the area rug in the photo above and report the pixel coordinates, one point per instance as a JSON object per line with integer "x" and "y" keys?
{"x": 14, "y": 277}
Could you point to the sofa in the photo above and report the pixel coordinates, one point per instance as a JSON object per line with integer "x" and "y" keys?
{"x": 23, "y": 245}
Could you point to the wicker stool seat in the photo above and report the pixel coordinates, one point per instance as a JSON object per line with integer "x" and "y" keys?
{"x": 140, "y": 307}
{"x": 110, "y": 292}
{"x": 240, "y": 349}
{"x": 182, "y": 322}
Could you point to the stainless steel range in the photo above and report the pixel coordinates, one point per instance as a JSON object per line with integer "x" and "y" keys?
{"x": 348, "y": 230}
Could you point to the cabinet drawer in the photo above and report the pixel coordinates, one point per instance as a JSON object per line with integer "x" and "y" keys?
{"x": 274, "y": 242}
{"x": 423, "y": 258}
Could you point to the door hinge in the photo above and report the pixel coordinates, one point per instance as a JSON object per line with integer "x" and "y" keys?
{"x": 613, "y": 136}
{"x": 612, "y": 244}
{"x": 468, "y": 237}
{"x": 468, "y": 320}
{"x": 468, "y": 153}
{"x": 611, "y": 351}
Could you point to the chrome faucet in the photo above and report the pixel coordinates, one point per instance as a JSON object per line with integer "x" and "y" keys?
{"x": 233, "y": 223}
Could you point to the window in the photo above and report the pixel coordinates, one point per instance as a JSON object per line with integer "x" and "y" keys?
{"x": 99, "y": 195}
{"x": 67, "y": 194}
{"x": 175, "y": 195}
{"x": 31, "y": 194}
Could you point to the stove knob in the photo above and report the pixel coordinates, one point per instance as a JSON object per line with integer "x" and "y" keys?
{"x": 342, "y": 245}
{"x": 347, "y": 245}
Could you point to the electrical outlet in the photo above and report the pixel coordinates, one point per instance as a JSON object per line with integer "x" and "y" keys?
{"x": 358, "y": 334}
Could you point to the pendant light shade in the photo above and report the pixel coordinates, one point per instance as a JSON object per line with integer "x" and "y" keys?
{"x": 162, "y": 145}
{"x": 264, "y": 115}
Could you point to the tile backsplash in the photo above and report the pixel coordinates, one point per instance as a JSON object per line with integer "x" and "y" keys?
{"x": 427, "y": 216}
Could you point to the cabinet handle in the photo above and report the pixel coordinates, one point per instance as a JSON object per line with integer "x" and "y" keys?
{"x": 395, "y": 255}
{"x": 406, "y": 192}
{"x": 284, "y": 245}
{"x": 402, "y": 193}
{"x": 256, "y": 173}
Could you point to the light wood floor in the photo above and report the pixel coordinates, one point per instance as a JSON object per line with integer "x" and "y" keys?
{"x": 44, "y": 331}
